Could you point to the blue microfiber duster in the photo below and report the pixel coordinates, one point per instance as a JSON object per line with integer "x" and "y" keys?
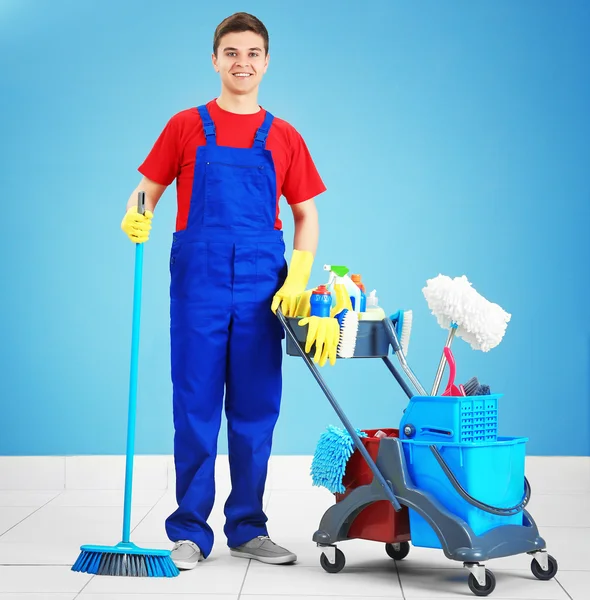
{"x": 333, "y": 450}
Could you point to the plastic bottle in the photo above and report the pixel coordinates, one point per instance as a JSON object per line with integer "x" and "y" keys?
{"x": 338, "y": 274}
{"x": 320, "y": 302}
{"x": 372, "y": 300}
{"x": 374, "y": 312}
{"x": 356, "y": 279}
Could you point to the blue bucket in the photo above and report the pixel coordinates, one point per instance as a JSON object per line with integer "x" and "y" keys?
{"x": 493, "y": 473}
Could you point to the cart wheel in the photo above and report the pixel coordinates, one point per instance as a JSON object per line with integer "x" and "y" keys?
{"x": 333, "y": 567}
{"x": 398, "y": 551}
{"x": 486, "y": 589}
{"x": 544, "y": 575}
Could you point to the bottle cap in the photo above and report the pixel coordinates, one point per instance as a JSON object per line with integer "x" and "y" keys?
{"x": 322, "y": 289}
{"x": 356, "y": 279}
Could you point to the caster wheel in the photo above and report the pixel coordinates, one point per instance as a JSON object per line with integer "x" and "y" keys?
{"x": 486, "y": 589}
{"x": 333, "y": 567}
{"x": 398, "y": 551}
{"x": 544, "y": 575}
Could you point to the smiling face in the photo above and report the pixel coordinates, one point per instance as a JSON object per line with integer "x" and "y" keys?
{"x": 241, "y": 61}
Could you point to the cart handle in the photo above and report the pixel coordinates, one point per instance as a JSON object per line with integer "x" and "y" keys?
{"x": 494, "y": 510}
{"x": 386, "y": 485}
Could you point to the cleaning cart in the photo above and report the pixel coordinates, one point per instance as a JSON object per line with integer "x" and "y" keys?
{"x": 444, "y": 478}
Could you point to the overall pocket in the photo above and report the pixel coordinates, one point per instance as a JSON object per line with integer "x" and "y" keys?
{"x": 176, "y": 246}
{"x": 237, "y": 195}
{"x": 188, "y": 270}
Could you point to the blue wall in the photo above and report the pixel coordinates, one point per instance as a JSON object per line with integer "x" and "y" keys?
{"x": 453, "y": 138}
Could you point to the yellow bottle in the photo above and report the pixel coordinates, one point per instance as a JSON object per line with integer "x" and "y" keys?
{"x": 342, "y": 300}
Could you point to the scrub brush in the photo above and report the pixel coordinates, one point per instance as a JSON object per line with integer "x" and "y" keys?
{"x": 471, "y": 386}
{"x": 349, "y": 324}
{"x": 348, "y": 320}
{"x": 402, "y": 321}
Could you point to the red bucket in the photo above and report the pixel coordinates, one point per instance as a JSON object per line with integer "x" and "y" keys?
{"x": 379, "y": 521}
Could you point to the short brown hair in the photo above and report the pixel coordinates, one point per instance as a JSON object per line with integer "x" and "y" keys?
{"x": 236, "y": 23}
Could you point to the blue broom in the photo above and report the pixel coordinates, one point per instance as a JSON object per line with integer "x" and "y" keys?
{"x": 126, "y": 559}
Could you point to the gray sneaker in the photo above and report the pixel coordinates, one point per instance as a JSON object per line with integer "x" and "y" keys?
{"x": 186, "y": 554}
{"x": 262, "y": 548}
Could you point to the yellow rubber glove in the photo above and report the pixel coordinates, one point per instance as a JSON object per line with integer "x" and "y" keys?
{"x": 136, "y": 226}
{"x": 325, "y": 333}
{"x": 303, "y": 308}
{"x": 295, "y": 283}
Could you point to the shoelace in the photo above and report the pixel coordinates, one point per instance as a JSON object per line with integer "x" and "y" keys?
{"x": 266, "y": 538}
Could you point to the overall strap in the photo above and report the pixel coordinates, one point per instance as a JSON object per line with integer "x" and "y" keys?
{"x": 208, "y": 125}
{"x": 262, "y": 133}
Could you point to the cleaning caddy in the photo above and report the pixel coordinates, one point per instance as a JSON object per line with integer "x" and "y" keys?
{"x": 445, "y": 478}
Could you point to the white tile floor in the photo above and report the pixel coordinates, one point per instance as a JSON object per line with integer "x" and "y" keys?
{"x": 41, "y": 531}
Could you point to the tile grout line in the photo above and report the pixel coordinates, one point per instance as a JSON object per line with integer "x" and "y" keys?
{"x": 84, "y": 587}
{"x": 39, "y": 565}
{"x": 244, "y": 580}
{"x": 561, "y": 586}
{"x": 55, "y": 497}
{"x": 149, "y": 511}
{"x": 30, "y": 514}
{"x": 399, "y": 578}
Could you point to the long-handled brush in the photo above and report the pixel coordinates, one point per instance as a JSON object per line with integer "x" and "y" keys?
{"x": 459, "y": 308}
{"x": 402, "y": 320}
{"x": 126, "y": 559}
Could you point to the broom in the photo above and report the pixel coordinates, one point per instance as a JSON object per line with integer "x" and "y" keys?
{"x": 126, "y": 559}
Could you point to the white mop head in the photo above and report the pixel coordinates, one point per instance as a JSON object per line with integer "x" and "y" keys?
{"x": 480, "y": 323}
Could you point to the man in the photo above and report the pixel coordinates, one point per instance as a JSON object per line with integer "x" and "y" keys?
{"x": 232, "y": 161}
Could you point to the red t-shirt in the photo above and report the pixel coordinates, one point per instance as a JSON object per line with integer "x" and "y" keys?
{"x": 174, "y": 153}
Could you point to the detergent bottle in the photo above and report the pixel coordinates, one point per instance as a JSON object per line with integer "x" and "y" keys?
{"x": 374, "y": 312}
{"x": 339, "y": 274}
{"x": 356, "y": 278}
{"x": 320, "y": 302}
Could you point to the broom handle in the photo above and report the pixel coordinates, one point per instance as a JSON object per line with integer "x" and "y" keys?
{"x": 443, "y": 360}
{"x": 133, "y": 378}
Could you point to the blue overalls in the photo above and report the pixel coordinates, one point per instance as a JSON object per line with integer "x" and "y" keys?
{"x": 225, "y": 268}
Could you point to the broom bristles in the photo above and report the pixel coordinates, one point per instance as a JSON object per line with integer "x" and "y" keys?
{"x": 118, "y": 564}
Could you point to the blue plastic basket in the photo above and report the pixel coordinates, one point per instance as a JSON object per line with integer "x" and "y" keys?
{"x": 492, "y": 473}
{"x": 371, "y": 339}
{"x": 465, "y": 419}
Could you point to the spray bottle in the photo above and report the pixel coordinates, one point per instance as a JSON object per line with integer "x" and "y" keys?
{"x": 339, "y": 274}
